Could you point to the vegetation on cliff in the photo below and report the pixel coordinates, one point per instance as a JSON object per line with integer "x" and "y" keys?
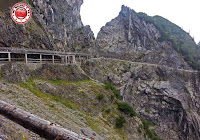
{"x": 182, "y": 42}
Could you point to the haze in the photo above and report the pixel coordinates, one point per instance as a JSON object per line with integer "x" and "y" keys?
{"x": 184, "y": 13}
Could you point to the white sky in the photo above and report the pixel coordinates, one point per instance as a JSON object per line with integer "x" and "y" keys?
{"x": 184, "y": 13}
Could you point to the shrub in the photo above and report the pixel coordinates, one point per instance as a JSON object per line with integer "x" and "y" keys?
{"x": 107, "y": 111}
{"x": 30, "y": 2}
{"x": 150, "y": 133}
{"x": 100, "y": 97}
{"x": 139, "y": 130}
{"x": 115, "y": 91}
{"x": 83, "y": 47}
{"x": 120, "y": 121}
{"x": 63, "y": 19}
{"x": 87, "y": 63}
{"x": 147, "y": 110}
{"x": 127, "y": 109}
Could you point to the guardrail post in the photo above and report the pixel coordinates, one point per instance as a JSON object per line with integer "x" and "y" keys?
{"x": 9, "y": 57}
{"x": 74, "y": 58}
{"x": 26, "y": 58}
{"x": 66, "y": 59}
{"x": 53, "y": 58}
{"x": 40, "y": 58}
{"x": 79, "y": 57}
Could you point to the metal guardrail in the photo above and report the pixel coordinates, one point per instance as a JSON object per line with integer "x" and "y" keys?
{"x": 36, "y": 51}
{"x": 30, "y": 56}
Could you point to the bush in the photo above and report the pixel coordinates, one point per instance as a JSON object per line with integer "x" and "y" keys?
{"x": 107, "y": 111}
{"x": 100, "y": 97}
{"x": 127, "y": 109}
{"x": 115, "y": 91}
{"x": 63, "y": 19}
{"x": 120, "y": 121}
{"x": 150, "y": 133}
{"x": 30, "y": 2}
{"x": 146, "y": 124}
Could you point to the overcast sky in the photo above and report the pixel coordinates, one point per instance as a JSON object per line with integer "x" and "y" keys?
{"x": 184, "y": 13}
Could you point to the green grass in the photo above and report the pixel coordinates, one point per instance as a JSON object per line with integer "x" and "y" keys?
{"x": 148, "y": 132}
{"x": 78, "y": 83}
{"x": 107, "y": 111}
{"x": 30, "y": 2}
{"x": 127, "y": 109}
{"x": 1, "y": 13}
{"x": 30, "y": 85}
{"x": 119, "y": 122}
{"x": 115, "y": 91}
{"x": 147, "y": 110}
{"x": 100, "y": 97}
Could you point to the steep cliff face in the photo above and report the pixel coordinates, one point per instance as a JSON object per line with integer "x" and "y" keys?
{"x": 165, "y": 96}
{"x": 30, "y": 35}
{"x": 64, "y": 96}
{"x": 55, "y": 25}
{"x": 130, "y": 38}
{"x": 161, "y": 94}
{"x": 63, "y": 22}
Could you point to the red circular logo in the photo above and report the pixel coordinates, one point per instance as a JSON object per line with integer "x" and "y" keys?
{"x": 21, "y": 13}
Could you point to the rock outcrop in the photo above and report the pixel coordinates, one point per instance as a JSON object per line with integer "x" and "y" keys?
{"x": 55, "y": 25}
{"x": 165, "y": 92}
{"x": 167, "y": 97}
{"x": 21, "y": 72}
{"x": 54, "y": 93}
{"x": 130, "y": 38}
{"x": 63, "y": 22}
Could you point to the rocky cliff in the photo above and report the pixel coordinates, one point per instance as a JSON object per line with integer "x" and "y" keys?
{"x": 165, "y": 96}
{"x": 160, "y": 85}
{"x": 64, "y": 96}
{"x": 55, "y": 25}
{"x": 129, "y": 37}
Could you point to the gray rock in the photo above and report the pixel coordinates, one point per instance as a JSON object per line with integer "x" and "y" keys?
{"x": 170, "y": 98}
{"x": 63, "y": 22}
{"x": 130, "y": 38}
{"x": 13, "y": 72}
{"x": 84, "y": 132}
{"x": 55, "y": 25}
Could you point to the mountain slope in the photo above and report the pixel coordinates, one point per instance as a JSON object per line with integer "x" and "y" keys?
{"x": 55, "y": 25}
{"x": 67, "y": 97}
{"x": 131, "y": 37}
{"x": 182, "y": 42}
{"x": 167, "y": 97}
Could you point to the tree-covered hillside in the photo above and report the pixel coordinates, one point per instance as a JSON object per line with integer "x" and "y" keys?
{"x": 182, "y": 42}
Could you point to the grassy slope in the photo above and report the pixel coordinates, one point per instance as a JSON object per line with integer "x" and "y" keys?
{"x": 76, "y": 104}
{"x": 78, "y": 109}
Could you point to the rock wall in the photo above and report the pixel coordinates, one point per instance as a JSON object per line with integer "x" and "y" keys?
{"x": 55, "y": 25}
{"x": 16, "y": 73}
{"x": 130, "y": 38}
{"x": 167, "y": 97}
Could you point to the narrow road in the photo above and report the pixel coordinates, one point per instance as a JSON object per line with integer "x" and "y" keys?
{"x": 148, "y": 64}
